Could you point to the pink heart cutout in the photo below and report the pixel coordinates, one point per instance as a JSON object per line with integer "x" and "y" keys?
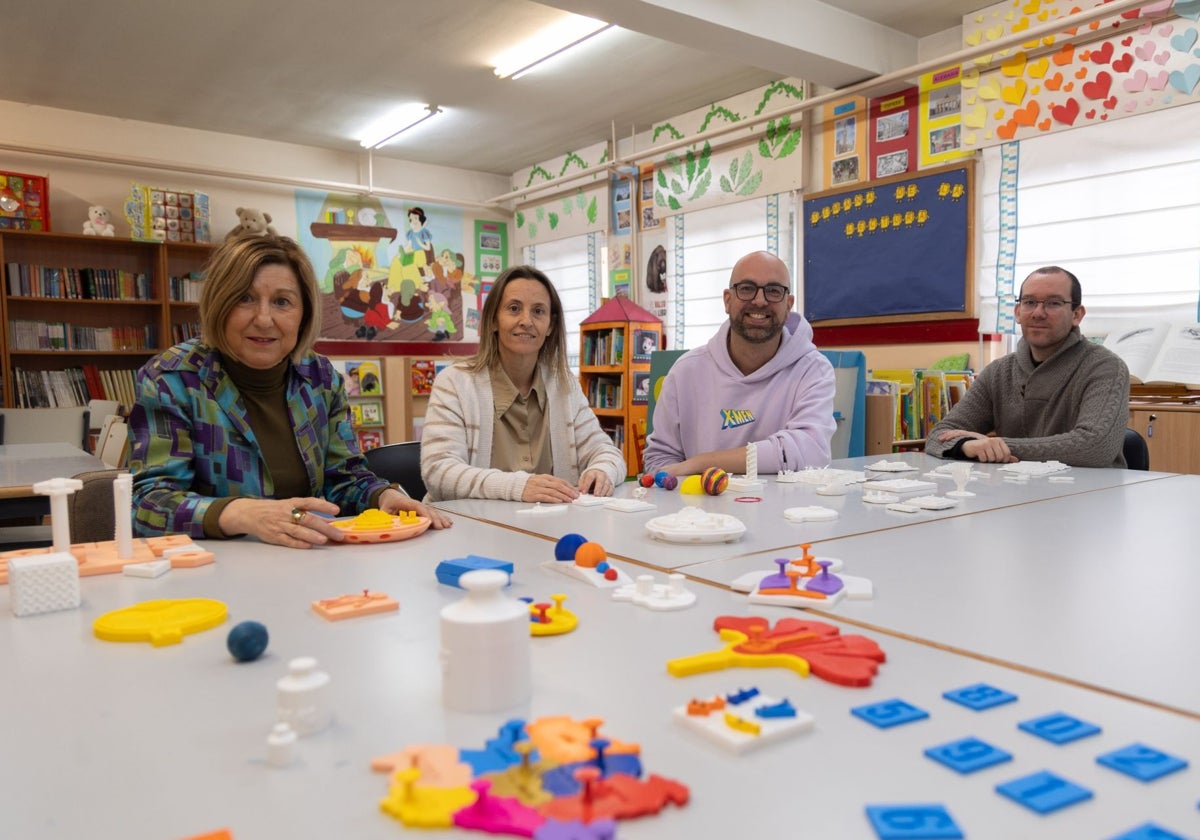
{"x": 1146, "y": 51}
{"x": 1159, "y": 82}
{"x": 1130, "y": 105}
{"x": 1137, "y": 82}
{"x": 1163, "y": 57}
{"x": 1145, "y": 28}
{"x": 1155, "y": 8}
{"x": 1166, "y": 30}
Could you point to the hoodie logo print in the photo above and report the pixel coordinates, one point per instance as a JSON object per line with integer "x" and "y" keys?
{"x": 731, "y": 418}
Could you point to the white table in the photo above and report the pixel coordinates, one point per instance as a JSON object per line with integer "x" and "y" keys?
{"x": 1098, "y": 587}
{"x": 624, "y": 535}
{"x": 123, "y": 741}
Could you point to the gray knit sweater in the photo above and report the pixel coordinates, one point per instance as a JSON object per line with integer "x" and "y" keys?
{"x": 1073, "y": 407}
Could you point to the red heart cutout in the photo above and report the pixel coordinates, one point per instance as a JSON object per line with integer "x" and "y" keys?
{"x": 1054, "y": 82}
{"x": 1006, "y": 131}
{"x": 1125, "y": 42}
{"x": 1098, "y": 89}
{"x": 1130, "y": 15}
{"x": 1103, "y": 117}
{"x": 1066, "y": 113}
{"x": 1110, "y": 103}
{"x": 1122, "y": 64}
{"x": 1102, "y": 55}
{"x": 1091, "y": 114}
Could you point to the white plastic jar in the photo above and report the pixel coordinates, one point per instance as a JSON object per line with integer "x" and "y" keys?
{"x": 486, "y": 649}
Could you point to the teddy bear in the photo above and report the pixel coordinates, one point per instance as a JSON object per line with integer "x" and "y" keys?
{"x": 252, "y": 222}
{"x": 97, "y": 223}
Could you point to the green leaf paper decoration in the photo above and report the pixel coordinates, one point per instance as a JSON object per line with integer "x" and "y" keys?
{"x": 553, "y": 221}
{"x": 520, "y": 219}
{"x": 593, "y": 206}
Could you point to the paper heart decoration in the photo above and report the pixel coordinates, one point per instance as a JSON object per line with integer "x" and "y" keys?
{"x": 983, "y": 60}
{"x": 1131, "y": 15}
{"x": 1166, "y": 30}
{"x": 970, "y": 78}
{"x": 1137, "y": 82}
{"x": 1146, "y": 51}
{"x": 1054, "y": 82}
{"x": 1035, "y": 90}
{"x": 1044, "y": 125}
{"x": 1084, "y": 55}
{"x": 1186, "y": 80}
{"x": 1007, "y": 130}
{"x": 1066, "y": 113}
{"x": 1014, "y": 94}
{"x": 975, "y": 117}
{"x": 1065, "y": 55}
{"x": 1072, "y": 30}
{"x": 1159, "y": 81}
{"x": 979, "y": 18}
{"x": 999, "y": 115}
{"x": 1104, "y": 54}
{"x": 1185, "y": 40}
{"x": 1098, "y": 88}
{"x": 1110, "y": 103}
{"x": 1145, "y": 28}
{"x": 1187, "y": 8}
{"x": 1031, "y": 7}
{"x": 1163, "y": 57}
{"x": 1154, "y": 8}
{"x": 1027, "y": 115}
{"x": 1094, "y": 25}
{"x": 1068, "y": 87}
{"x": 1010, "y": 15}
{"x": 1103, "y": 117}
{"x": 1048, "y": 40}
{"x": 1125, "y": 42}
{"x": 1091, "y": 114}
{"x": 1122, "y": 64}
{"x": 969, "y": 138}
{"x": 1037, "y": 69}
{"x": 1130, "y": 106}
{"x": 1014, "y": 66}
{"x": 993, "y": 33}
{"x": 972, "y": 99}
{"x": 1029, "y": 45}
{"x": 990, "y": 89}
{"x": 1081, "y": 73}
{"x": 974, "y": 38}
{"x": 1020, "y": 26}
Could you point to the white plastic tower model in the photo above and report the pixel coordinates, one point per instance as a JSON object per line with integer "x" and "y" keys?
{"x": 486, "y": 649}
{"x": 42, "y": 583}
{"x": 302, "y": 697}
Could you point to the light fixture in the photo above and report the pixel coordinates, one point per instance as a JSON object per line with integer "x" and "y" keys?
{"x": 400, "y": 120}
{"x": 567, "y": 34}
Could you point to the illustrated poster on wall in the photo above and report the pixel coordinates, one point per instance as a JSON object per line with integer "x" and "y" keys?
{"x": 24, "y": 202}
{"x": 844, "y": 141}
{"x": 893, "y": 134}
{"x": 940, "y": 112}
{"x": 648, "y": 218}
{"x": 656, "y": 287}
{"x": 387, "y": 270}
{"x": 163, "y": 214}
{"x": 1148, "y": 61}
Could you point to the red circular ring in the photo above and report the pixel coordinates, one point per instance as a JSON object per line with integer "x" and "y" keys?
{"x": 748, "y": 499}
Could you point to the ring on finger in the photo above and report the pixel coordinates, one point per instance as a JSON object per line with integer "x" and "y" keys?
{"x": 298, "y": 515}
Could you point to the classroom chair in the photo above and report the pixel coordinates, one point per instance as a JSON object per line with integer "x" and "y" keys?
{"x": 90, "y": 509}
{"x": 113, "y": 447}
{"x": 1137, "y": 453}
{"x": 401, "y": 463}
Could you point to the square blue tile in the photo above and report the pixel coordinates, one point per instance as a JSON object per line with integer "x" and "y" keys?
{"x": 1142, "y": 762}
{"x": 1043, "y": 792}
{"x": 889, "y": 713}
{"x": 1059, "y": 728}
{"x": 1149, "y": 831}
{"x": 979, "y": 696}
{"x": 968, "y": 755}
{"x": 912, "y": 822}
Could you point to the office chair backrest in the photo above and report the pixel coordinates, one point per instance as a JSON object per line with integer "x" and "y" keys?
{"x": 113, "y": 449}
{"x": 47, "y": 425}
{"x": 1137, "y": 454}
{"x": 401, "y": 463}
{"x": 90, "y": 509}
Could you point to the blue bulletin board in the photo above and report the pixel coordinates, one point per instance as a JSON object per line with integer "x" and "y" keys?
{"x": 896, "y": 249}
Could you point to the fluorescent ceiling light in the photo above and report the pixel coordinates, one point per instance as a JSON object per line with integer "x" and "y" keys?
{"x": 553, "y": 41}
{"x": 385, "y": 130}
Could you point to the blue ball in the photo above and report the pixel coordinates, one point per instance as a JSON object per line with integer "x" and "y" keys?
{"x": 566, "y": 547}
{"x": 602, "y": 566}
{"x": 660, "y": 477}
{"x": 247, "y": 641}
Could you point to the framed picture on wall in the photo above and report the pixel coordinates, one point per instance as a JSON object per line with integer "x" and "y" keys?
{"x": 372, "y": 413}
{"x": 645, "y": 342}
{"x": 641, "y": 388}
{"x": 363, "y": 378}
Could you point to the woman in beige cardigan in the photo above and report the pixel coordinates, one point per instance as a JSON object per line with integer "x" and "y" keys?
{"x": 511, "y": 422}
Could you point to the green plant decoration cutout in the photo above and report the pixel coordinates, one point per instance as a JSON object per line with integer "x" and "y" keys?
{"x": 780, "y": 140}
{"x": 778, "y": 87}
{"x": 553, "y": 221}
{"x": 533, "y": 230}
{"x": 537, "y": 170}
{"x": 591, "y": 211}
{"x": 540, "y": 213}
{"x": 580, "y": 199}
{"x": 689, "y": 178}
{"x": 520, "y": 219}
{"x": 742, "y": 180}
{"x": 669, "y": 129}
{"x": 572, "y": 158}
{"x": 718, "y": 111}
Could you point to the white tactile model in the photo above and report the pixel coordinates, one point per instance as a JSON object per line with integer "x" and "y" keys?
{"x": 657, "y": 596}
{"x": 901, "y": 486}
{"x": 43, "y": 583}
{"x": 748, "y": 483}
{"x": 743, "y": 720}
{"x": 806, "y": 582}
{"x": 693, "y": 525}
{"x": 812, "y": 513}
{"x": 820, "y": 476}
{"x": 1034, "y": 468}
{"x": 891, "y": 466}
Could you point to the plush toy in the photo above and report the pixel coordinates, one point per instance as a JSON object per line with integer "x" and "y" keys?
{"x": 97, "y": 223}
{"x": 252, "y": 222}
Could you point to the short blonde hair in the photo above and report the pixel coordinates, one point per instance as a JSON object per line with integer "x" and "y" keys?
{"x": 230, "y": 273}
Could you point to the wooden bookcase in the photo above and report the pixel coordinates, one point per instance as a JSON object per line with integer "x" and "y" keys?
{"x": 146, "y": 317}
{"x": 614, "y": 370}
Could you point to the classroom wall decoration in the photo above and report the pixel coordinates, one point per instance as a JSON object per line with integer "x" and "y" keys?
{"x": 940, "y": 111}
{"x": 24, "y": 202}
{"x": 766, "y": 161}
{"x": 1148, "y": 61}
{"x": 892, "y": 250}
{"x": 892, "y": 134}
{"x": 388, "y": 270}
{"x": 581, "y": 211}
{"x": 844, "y": 128}
{"x": 167, "y": 214}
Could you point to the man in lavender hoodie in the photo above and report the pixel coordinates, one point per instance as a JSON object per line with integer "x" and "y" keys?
{"x": 755, "y": 382}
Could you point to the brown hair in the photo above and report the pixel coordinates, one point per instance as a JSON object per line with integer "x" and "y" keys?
{"x": 230, "y": 273}
{"x": 554, "y": 351}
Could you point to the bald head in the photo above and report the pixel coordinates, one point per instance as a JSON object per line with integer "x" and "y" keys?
{"x": 762, "y": 267}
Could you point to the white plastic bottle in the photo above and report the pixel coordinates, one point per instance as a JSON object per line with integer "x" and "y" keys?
{"x": 302, "y": 701}
{"x": 486, "y": 649}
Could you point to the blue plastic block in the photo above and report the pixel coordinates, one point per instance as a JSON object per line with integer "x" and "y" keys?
{"x": 979, "y": 696}
{"x": 449, "y": 571}
{"x": 1059, "y": 728}
{"x": 1149, "y": 831}
{"x": 1142, "y": 762}
{"x": 1043, "y": 792}
{"x": 910, "y": 822}
{"x": 968, "y": 755}
{"x": 889, "y": 713}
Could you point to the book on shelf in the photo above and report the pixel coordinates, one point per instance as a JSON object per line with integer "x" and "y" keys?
{"x": 922, "y": 396}
{"x": 1159, "y": 352}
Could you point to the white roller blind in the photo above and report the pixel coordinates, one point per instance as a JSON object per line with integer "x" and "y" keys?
{"x": 568, "y": 264}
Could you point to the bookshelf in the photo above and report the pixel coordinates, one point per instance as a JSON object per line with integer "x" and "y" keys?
{"x": 614, "y": 369}
{"x": 80, "y": 314}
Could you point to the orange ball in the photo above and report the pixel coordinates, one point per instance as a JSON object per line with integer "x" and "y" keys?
{"x": 590, "y": 555}
{"x": 714, "y": 480}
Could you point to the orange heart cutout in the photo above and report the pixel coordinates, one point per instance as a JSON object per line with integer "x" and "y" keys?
{"x": 1094, "y": 25}
{"x": 1044, "y": 125}
{"x": 1084, "y": 55}
{"x": 1054, "y": 82}
{"x": 1037, "y": 69}
{"x": 1014, "y": 94}
{"x": 1006, "y": 131}
{"x": 1065, "y": 55}
{"x": 1072, "y": 30}
{"x": 1015, "y": 66}
{"x": 1081, "y": 73}
{"x": 1068, "y": 87}
{"x": 1027, "y": 115}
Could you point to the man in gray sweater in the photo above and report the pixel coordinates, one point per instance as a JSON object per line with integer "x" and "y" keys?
{"x": 1057, "y": 398}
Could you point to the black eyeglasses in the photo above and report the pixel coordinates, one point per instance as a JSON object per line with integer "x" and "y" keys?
{"x": 1052, "y": 306}
{"x": 773, "y": 292}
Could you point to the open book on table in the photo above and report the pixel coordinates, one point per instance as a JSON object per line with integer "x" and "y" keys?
{"x": 1159, "y": 352}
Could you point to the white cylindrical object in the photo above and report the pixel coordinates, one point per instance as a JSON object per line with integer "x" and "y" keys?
{"x": 281, "y": 746}
{"x": 123, "y": 509}
{"x": 752, "y": 462}
{"x": 486, "y": 649}
{"x": 645, "y": 585}
{"x": 302, "y": 700}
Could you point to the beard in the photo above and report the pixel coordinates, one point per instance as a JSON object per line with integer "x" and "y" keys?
{"x": 756, "y": 332}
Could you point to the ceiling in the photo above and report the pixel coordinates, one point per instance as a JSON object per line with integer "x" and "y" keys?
{"x": 316, "y": 73}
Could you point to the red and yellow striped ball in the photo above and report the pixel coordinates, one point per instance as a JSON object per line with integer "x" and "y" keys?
{"x": 714, "y": 480}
